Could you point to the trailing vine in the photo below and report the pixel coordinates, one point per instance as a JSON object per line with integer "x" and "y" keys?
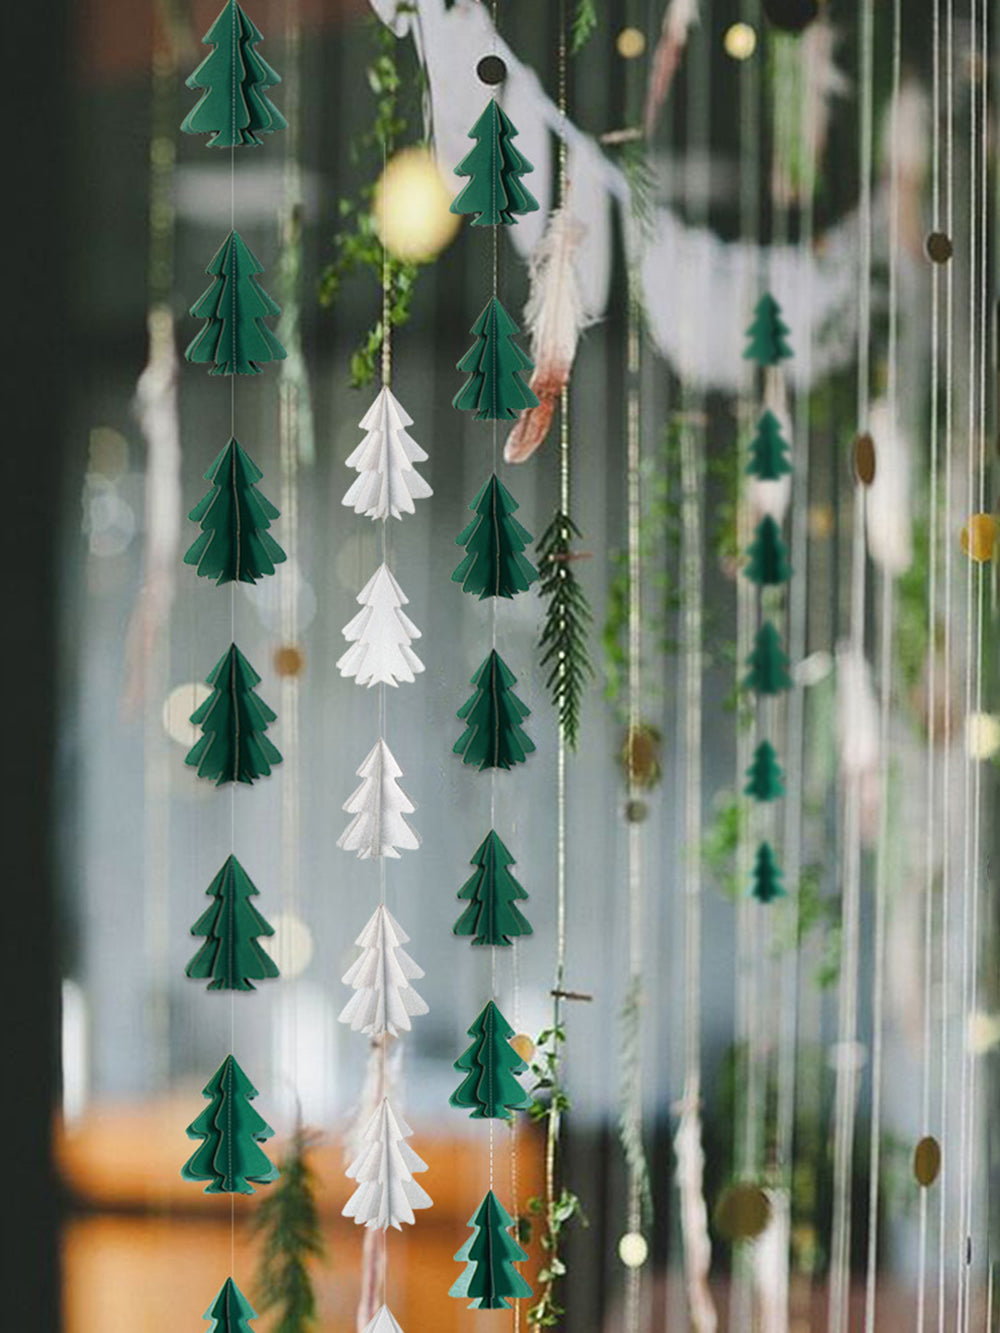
{"x": 563, "y": 642}
{"x": 288, "y": 1222}
{"x": 553, "y": 1212}
{"x": 357, "y": 245}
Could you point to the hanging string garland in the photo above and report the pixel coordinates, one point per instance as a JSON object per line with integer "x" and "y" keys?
{"x": 234, "y": 546}
{"x": 494, "y": 566}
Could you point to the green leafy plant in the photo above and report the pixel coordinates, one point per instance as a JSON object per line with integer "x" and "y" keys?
{"x": 356, "y": 244}
{"x": 287, "y": 1222}
{"x": 583, "y": 26}
{"x": 568, "y": 617}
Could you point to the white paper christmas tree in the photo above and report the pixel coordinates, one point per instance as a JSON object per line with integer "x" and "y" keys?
{"x": 380, "y": 635}
{"x": 384, "y": 1322}
{"x": 387, "y": 481}
{"x": 386, "y": 1194}
{"x": 383, "y": 1000}
{"x": 378, "y": 806}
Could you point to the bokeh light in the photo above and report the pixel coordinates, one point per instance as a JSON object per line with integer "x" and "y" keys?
{"x": 411, "y": 207}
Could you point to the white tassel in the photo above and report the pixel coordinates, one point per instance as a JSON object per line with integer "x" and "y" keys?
{"x": 694, "y": 1214}
{"x": 858, "y": 734}
{"x": 888, "y": 522}
{"x": 679, "y": 17}
{"x": 769, "y": 1262}
{"x": 555, "y": 316}
{"x": 157, "y": 410}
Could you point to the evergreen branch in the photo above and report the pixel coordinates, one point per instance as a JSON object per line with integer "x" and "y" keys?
{"x": 568, "y": 617}
{"x": 288, "y": 1222}
{"x": 583, "y": 26}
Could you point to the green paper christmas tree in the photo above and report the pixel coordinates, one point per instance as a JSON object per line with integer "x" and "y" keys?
{"x": 495, "y": 365}
{"x": 229, "y": 1156}
{"x": 768, "y": 665}
{"x": 234, "y": 516}
{"x": 231, "y": 1312}
{"x": 492, "y": 892}
{"x": 490, "y": 1279}
{"x": 231, "y": 956}
{"x": 767, "y": 876}
{"x": 768, "y": 450}
{"x": 494, "y": 565}
{"x": 234, "y": 106}
{"x": 767, "y": 335}
{"x": 233, "y": 720}
{"x": 767, "y": 556}
{"x": 493, "y": 736}
{"x": 235, "y": 340}
{"x": 765, "y": 780}
{"x": 495, "y": 191}
{"x": 490, "y": 1090}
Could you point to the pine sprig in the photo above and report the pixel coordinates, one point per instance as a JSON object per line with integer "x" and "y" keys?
{"x": 584, "y": 25}
{"x": 288, "y": 1221}
{"x": 568, "y": 617}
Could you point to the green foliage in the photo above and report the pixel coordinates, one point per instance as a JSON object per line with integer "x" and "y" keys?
{"x": 493, "y": 736}
{"x": 230, "y": 1312}
{"x": 490, "y": 1090}
{"x": 288, "y": 1223}
{"x": 495, "y": 389}
{"x": 494, "y": 565}
{"x": 767, "y": 556}
{"x": 764, "y": 776}
{"x": 911, "y": 629}
{"x": 492, "y": 893}
{"x": 552, "y": 1213}
{"x": 229, "y": 1156}
{"x": 234, "y": 545}
{"x": 490, "y": 1279}
{"x": 767, "y": 336}
{"x": 233, "y": 720}
{"x": 234, "y": 106}
{"x": 234, "y": 339}
{"x": 721, "y": 844}
{"x": 495, "y": 192}
{"x": 568, "y": 617}
{"x": 584, "y": 25}
{"x": 231, "y": 927}
{"x": 356, "y": 244}
{"x": 767, "y": 876}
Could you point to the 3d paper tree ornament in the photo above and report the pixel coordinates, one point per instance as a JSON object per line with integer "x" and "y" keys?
{"x": 387, "y": 482}
{"x": 767, "y": 556}
{"x": 490, "y": 1091}
{"x": 768, "y": 450}
{"x": 493, "y": 736}
{"x": 229, "y": 1156}
{"x": 384, "y": 1321}
{"x": 387, "y": 1194}
{"x": 230, "y": 1312}
{"x": 383, "y": 1000}
{"x": 495, "y": 192}
{"x": 492, "y": 893}
{"x": 234, "y": 106}
{"x": 495, "y": 365}
{"x": 235, "y": 340}
{"x": 765, "y": 780}
{"x": 767, "y": 876}
{"x": 235, "y": 545}
{"x": 378, "y": 806}
{"x": 494, "y": 565}
{"x": 767, "y": 335}
{"x": 490, "y": 1280}
{"x": 231, "y": 956}
{"x": 380, "y": 635}
{"x": 768, "y": 665}
{"x": 233, "y": 720}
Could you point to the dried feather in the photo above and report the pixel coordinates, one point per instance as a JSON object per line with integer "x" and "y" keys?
{"x": 555, "y": 316}
{"x": 694, "y": 1213}
{"x": 156, "y": 406}
{"x": 679, "y": 18}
